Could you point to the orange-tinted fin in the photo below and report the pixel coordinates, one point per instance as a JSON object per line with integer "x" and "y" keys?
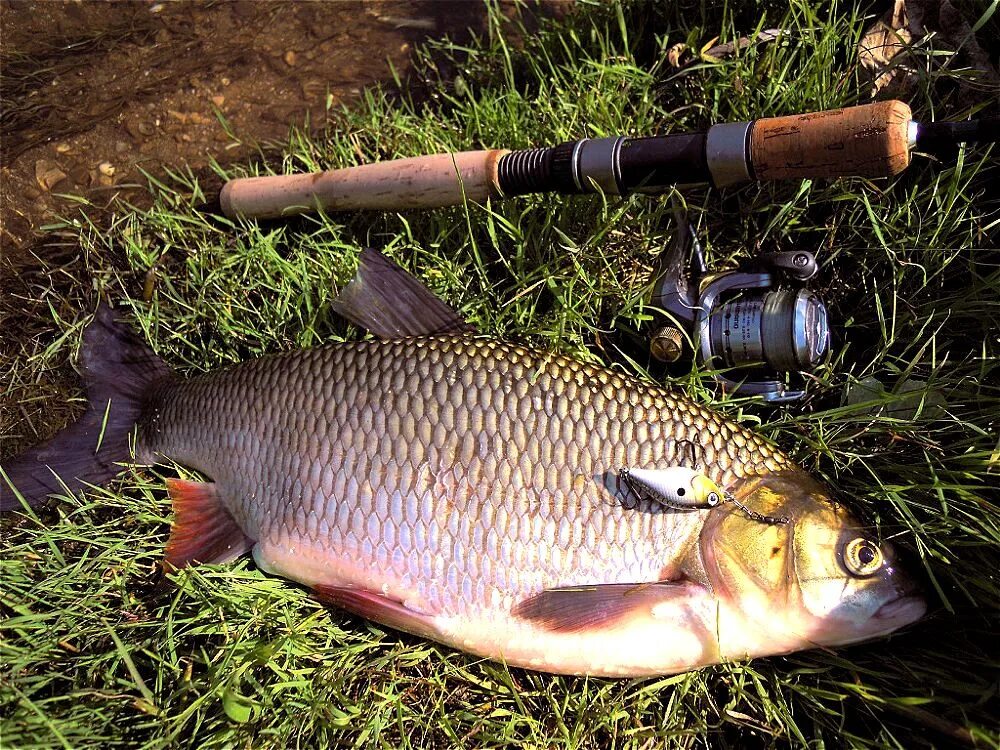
{"x": 377, "y": 607}
{"x": 392, "y": 304}
{"x": 203, "y": 530}
{"x": 577, "y": 608}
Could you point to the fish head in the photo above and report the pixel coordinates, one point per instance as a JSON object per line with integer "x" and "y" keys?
{"x": 821, "y": 579}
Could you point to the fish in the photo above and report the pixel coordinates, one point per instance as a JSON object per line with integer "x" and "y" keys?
{"x": 468, "y": 490}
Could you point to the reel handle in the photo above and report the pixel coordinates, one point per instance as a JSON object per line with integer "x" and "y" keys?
{"x": 417, "y": 182}
{"x": 871, "y": 140}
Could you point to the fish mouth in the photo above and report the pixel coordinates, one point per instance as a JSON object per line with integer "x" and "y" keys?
{"x": 906, "y": 608}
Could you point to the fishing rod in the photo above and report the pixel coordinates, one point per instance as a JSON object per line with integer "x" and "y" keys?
{"x": 870, "y": 140}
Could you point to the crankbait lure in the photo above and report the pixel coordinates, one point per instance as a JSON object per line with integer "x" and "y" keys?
{"x": 683, "y": 488}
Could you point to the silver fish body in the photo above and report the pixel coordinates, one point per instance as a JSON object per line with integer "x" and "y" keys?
{"x": 458, "y": 474}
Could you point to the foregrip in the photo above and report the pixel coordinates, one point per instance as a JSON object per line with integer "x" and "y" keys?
{"x": 872, "y": 140}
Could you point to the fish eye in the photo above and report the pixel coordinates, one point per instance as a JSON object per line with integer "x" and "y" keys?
{"x": 862, "y": 557}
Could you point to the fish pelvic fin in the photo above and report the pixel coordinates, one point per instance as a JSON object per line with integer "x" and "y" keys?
{"x": 392, "y": 304}
{"x": 575, "y": 609}
{"x": 118, "y": 369}
{"x": 203, "y": 529}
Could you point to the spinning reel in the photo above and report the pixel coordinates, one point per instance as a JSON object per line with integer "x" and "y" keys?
{"x": 759, "y": 317}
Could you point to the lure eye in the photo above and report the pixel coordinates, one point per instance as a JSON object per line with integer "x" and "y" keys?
{"x": 862, "y": 557}
{"x": 713, "y": 498}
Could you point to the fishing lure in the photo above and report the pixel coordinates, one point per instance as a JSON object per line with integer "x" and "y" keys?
{"x": 676, "y": 486}
{"x": 684, "y": 488}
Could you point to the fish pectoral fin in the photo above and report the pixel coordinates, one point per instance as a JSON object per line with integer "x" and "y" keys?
{"x": 378, "y": 607}
{"x": 392, "y": 304}
{"x": 203, "y": 530}
{"x": 577, "y": 608}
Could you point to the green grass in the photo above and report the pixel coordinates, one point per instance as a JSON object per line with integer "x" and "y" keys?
{"x": 99, "y": 651}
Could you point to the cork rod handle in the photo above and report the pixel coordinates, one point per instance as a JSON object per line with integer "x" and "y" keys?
{"x": 871, "y": 140}
{"x": 418, "y": 182}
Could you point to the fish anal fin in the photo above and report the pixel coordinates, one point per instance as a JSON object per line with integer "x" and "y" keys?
{"x": 203, "y": 530}
{"x": 378, "y": 607}
{"x": 392, "y": 304}
{"x": 576, "y": 609}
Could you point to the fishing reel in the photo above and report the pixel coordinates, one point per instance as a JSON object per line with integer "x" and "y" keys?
{"x": 760, "y": 318}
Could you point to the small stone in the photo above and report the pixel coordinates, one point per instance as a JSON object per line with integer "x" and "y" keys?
{"x": 290, "y": 58}
{"x": 218, "y": 101}
{"x": 132, "y": 128}
{"x": 225, "y": 81}
{"x": 862, "y": 391}
{"x": 106, "y": 168}
{"x": 138, "y": 129}
{"x": 63, "y": 148}
{"x": 81, "y": 177}
{"x": 48, "y": 174}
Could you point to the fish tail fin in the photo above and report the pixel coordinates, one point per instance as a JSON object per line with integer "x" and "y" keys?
{"x": 118, "y": 369}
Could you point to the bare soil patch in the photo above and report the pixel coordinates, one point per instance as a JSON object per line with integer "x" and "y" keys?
{"x": 94, "y": 93}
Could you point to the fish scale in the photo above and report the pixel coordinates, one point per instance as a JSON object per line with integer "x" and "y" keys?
{"x": 470, "y": 472}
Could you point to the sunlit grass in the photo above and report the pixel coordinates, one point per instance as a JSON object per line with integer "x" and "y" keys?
{"x": 99, "y": 650}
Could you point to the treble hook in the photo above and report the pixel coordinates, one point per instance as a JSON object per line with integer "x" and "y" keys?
{"x": 689, "y": 445}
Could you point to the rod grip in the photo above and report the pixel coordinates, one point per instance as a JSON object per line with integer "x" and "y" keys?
{"x": 871, "y": 140}
{"x": 417, "y": 182}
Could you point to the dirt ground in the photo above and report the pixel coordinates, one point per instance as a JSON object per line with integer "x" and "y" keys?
{"x": 93, "y": 93}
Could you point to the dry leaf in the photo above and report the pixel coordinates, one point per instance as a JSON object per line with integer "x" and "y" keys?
{"x": 886, "y": 50}
{"x": 704, "y": 53}
{"x": 886, "y": 39}
{"x": 725, "y": 50}
{"x": 675, "y": 52}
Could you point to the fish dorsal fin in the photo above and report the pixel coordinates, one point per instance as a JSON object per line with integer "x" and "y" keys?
{"x": 392, "y": 304}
